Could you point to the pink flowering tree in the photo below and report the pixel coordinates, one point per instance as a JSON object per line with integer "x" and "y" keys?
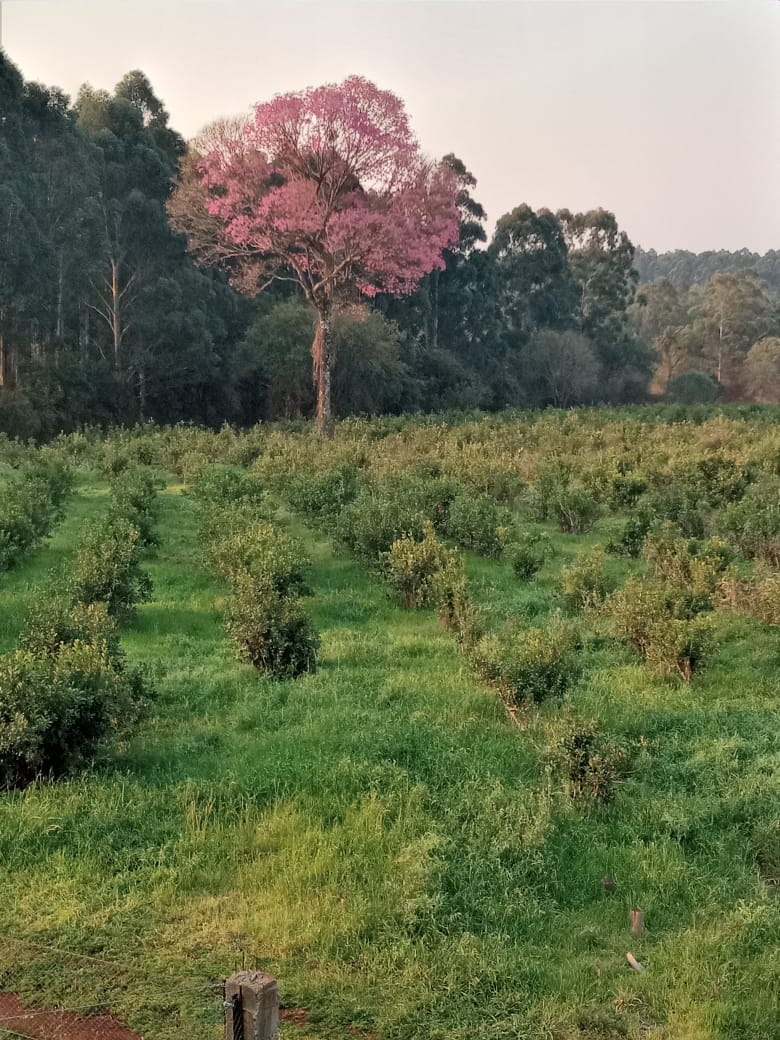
{"x": 328, "y": 188}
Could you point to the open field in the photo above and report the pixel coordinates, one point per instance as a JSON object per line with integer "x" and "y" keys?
{"x": 383, "y": 834}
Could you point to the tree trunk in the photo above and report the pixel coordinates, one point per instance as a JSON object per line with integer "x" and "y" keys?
{"x": 435, "y": 309}
{"x": 60, "y": 325}
{"x": 116, "y": 314}
{"x": 142, "y": 395}
{"x": 322, "y": 371}
{"x": 84, "y": 331}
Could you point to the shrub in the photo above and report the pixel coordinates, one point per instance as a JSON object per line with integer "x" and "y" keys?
{"x": 589, "y": 765}
{"x": 527, "y": 552}
{"x": 55, "y": 622}
{"x": 222, "y": 485}
{"x": 266, "y": 569}
{"x": 694, "y": 568}
{"x": 616, "y": 482}
{"x": 189, "y": 467}
{"x": 108, "y": 568}
{"x": 575, "y": 510}
{"x": 682, "y": 505}
{"x": 693, "y": 388}
{"x": 530, "y": 664}
{"x": 584, "y": 582}
{"x": 271, "y": 629}
{"x": 551, "y": 482}
{"x": 419, "y": 570}
{"x": 57, "y": 711}
{"x": 430, "y": 495}
{"x": 370, "y": 524}
{"x": 713, "y": 478}
{"x": 458, "y": 613}
{"x": 134, "y": 498}
{"x": 648, "y": 616}
{"x": 478, "y": 523}
{"x": 630, "y": 538}
{"x": 53, "y": 473}
{"x": 256, "y": 547}
{"x": 758, "y": 596}
{"x": 22, "y": 522}
{"x": 322, "y": 495}
{"x": 115, "y": 456}
{"x": 754, "y": 522}
{"x": 30, "y": 503}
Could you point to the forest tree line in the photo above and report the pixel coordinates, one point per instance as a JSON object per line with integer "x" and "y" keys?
{"x": 106, "y": 319}
{"x": 684, "y": 269}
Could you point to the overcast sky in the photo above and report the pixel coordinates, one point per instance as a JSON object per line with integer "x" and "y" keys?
{"x": 665, "y": 111}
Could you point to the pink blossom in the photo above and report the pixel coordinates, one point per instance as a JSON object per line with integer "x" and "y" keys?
{"x": 329, "y": 184}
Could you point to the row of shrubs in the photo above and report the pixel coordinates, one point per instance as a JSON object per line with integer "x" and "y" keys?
{"x": 558, "y": 465}
{"x": 525, "y": 663}
{"x": 31, "y": 502}
{"x": 665, "y": 617}
{"x": 719, "y": 477}
{"x": 398, "y": 526}
{"x": 366, "y": 515}
{"x": 67, "y": 691}
{"x": 265, "y": 569}
{"x": 667, "y": 614}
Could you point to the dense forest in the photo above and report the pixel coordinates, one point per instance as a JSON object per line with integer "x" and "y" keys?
{"x": 105, "y": 318}
{"x": 685, "y": 269}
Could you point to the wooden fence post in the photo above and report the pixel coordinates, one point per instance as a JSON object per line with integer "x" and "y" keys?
{"x": 251, "y": 1006}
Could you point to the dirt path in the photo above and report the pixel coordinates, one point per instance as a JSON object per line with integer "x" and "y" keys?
{"x": 40, "y": 1024}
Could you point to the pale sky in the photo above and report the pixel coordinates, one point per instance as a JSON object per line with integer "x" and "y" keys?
{"x": 665, "y": 111}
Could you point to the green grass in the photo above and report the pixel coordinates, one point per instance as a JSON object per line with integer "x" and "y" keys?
{"x": 386, "y": 842}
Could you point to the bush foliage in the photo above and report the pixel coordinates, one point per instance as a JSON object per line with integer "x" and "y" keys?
{"x": 107, "y": 568}
{"x": 421, "y": 571}
{"x": 270, "y": 628}
{"x": 655, "y": 620}
{"x": 585, "y": 760}
{"x": 31, "y": 501}
{"x": 584, "y": 583}
{"x": 526, "y": 553}
{"x": 530, "y": 664}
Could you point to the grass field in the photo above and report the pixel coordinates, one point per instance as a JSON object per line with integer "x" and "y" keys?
{"x": 386, "y": 841}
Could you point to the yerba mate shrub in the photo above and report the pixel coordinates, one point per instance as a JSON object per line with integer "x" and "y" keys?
{"x": 527, "y": 551}
{"x": 654, "y": 620}
{"x": 270, "y": 628}
{"x": 134, "y": 497}
{"x": 108, "y": 568}
{"x": 419, "y": 570}
{"x": 66, "y": 693}
{"x": 584, "y": 583}
{"x": 581, "y": 757}
{"x": 266, "y": 569}
{"x": 477, "y": 523}
{"x": 530, "y": 664}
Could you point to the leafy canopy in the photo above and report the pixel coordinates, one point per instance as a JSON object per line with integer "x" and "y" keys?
{"x": 328, "y": 187}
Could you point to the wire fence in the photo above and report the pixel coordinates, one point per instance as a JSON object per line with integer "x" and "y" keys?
{"x": 47, "y": 993}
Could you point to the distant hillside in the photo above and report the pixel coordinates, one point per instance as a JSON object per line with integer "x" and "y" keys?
{"x": 684, "y": 268}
